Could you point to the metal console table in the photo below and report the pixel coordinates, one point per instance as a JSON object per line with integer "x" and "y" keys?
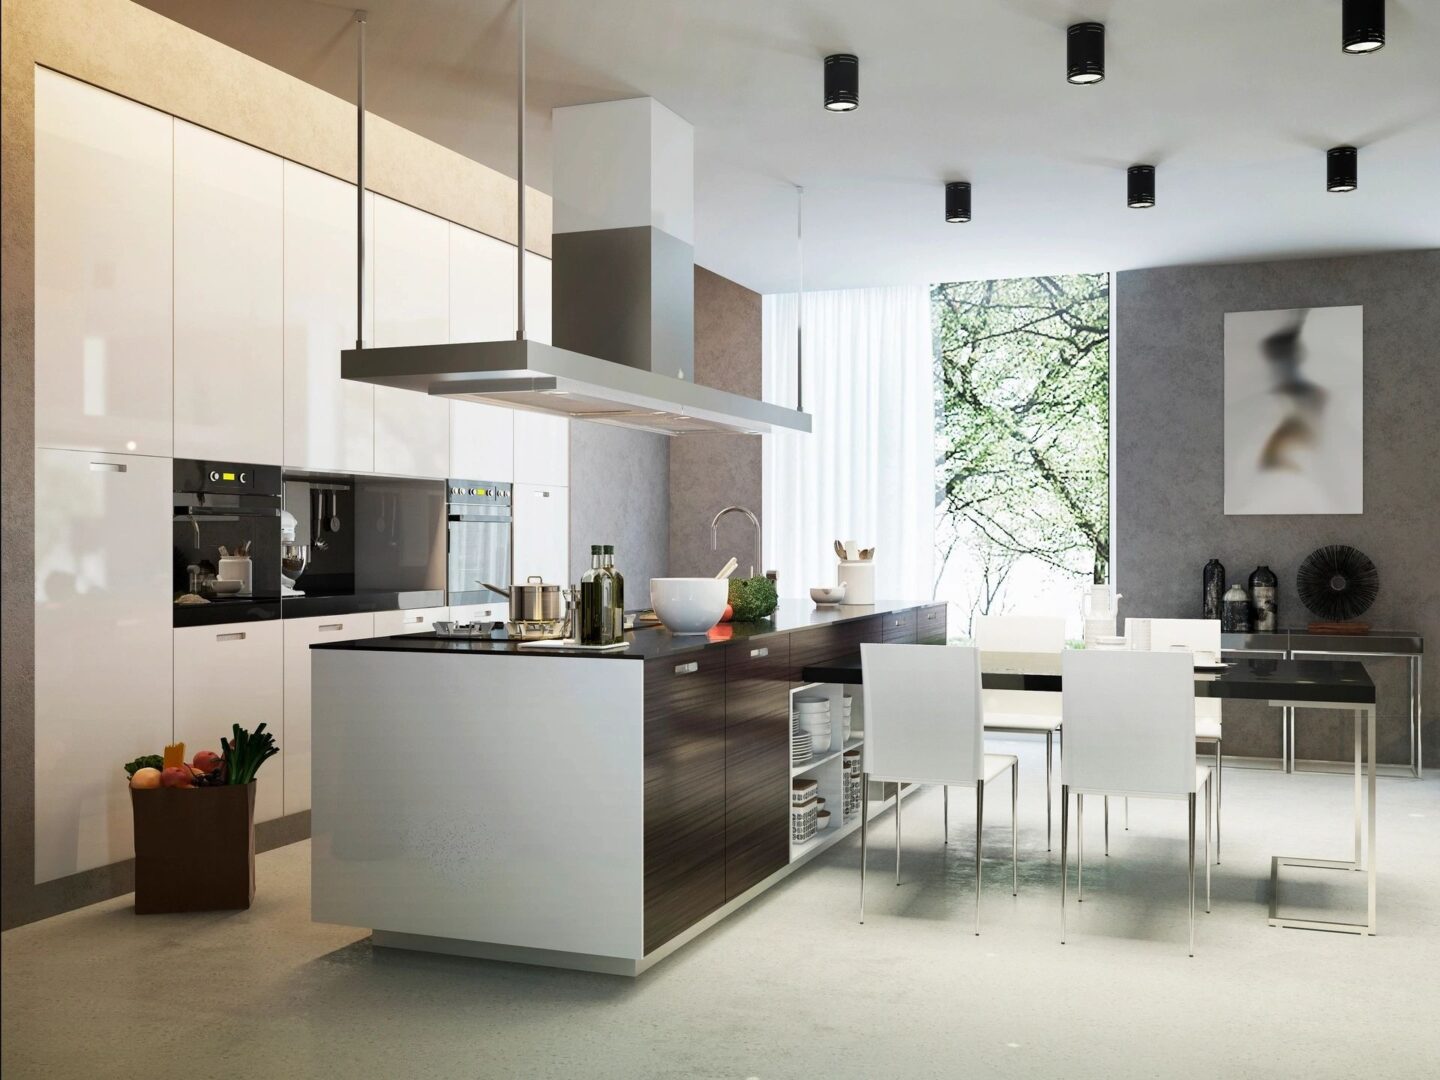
{"x": 1296, "y": 644}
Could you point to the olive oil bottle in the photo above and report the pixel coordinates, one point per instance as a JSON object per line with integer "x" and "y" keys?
{"x": 597, "y": 601}
{"x": 607, "y": 563}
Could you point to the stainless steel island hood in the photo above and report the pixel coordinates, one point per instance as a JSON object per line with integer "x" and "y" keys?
{"x": 623, "y": 293}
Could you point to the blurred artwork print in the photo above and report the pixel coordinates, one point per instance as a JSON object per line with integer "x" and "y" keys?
{"x": 1294, "y": 411}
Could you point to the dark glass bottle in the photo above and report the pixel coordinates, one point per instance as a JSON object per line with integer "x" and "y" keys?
{"x": 607, "y": 562}
{"x": 1212, "y": 589}
{"x": 597, "y": 590}
{"x": 1264, "y": 600}
{"x": 1235, "y": 611}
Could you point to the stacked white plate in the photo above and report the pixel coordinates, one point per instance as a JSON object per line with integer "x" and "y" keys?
{"x": 800, "y": 748}
{"x": 812, "y": 716}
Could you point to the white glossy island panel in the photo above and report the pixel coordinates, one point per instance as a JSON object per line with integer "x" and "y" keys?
{"x": 504, "y": 818}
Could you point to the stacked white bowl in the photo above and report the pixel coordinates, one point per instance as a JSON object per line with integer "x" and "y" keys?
{"x": 845, "y": 723}
{"x": 812, "y": 715}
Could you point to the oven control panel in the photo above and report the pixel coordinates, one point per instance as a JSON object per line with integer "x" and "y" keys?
{"x": 477, "y": 492}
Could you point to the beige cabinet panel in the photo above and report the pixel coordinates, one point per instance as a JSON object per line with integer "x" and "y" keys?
{"x": 300, "y": 634}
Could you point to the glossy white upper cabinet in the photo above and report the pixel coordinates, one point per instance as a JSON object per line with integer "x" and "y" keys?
{"x": 482, "y": 442}
{"x": 329, "y": 423}
{"x": 229, "y": 298}
{"x": 542, "y": 532}
{"x": 102, "y": 647}
{"x": 537, "y": 297}
{"x": 295, "y": 743}
{"x": 233, "y": 674}
{"x": 482, "y": 308}
{"x": 412, "y": 307}
{"x": 103, "y": 270}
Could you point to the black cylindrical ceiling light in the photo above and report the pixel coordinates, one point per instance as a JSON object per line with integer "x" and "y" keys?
{"x": 1341, "y": 173}
{"x": 957, "y": 201}
{"x": 1362, "y": 26}
{"x": 1085, "y": 53}
{"x": 1140, "y": 187}
{"x": 842, "y": 82}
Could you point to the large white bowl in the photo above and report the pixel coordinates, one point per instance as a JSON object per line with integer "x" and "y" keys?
{"x": 689, "y": 605}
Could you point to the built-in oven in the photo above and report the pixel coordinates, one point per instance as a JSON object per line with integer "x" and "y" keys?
{"x": 477, "y": 551}
{"x": 226, "y": 537}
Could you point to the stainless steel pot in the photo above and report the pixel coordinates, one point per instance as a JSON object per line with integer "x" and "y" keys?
{"x": 534, "y": 601}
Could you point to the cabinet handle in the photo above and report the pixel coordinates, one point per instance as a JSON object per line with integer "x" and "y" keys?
{"x": 543, "y": 494}
{"x": 930, "y": 617}
{"x": 230, "y": 637}
{"x": 327, "y": 627}
{"x": 417, "y": 619}
{"x": 759, "y": 652}
{"x": 687, "y": 669}
{"x": 108, "y": 466}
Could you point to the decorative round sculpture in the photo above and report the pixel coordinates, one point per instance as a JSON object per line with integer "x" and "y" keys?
{"x": 1337, "y": 582}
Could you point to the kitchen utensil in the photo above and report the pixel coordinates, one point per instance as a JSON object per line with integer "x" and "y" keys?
{"x": 224, "y": 552}
{"x": 866, "y": 554}
{"x": 852, "y": 549}
{"x": 532, "y": 602}
{"x": 728, "y": 568}
{"x": 334, "y": 522}
{"x": 571, "y": 644}
{"x": 317, "y": 527}
{"x": 839, "y": 550}
{"x": 226, "y": 586}
{"x": 828, "y": 595}
{"x": 689, "y": 605}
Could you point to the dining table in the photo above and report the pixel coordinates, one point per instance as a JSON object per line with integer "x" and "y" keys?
{"x": 1291, "y": 684}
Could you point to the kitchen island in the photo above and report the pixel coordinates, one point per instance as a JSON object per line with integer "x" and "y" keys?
{"x": 583, "y": 810}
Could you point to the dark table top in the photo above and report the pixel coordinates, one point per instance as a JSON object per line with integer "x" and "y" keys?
{"x": 1343, "y": 681}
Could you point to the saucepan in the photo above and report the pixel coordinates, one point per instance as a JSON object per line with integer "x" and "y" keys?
{"x": 532, "y": 602}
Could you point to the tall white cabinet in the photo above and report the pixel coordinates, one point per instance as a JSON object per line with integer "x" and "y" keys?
{"x": 412, "y": 307}
{"x": 329, "y": 423}
{"x": 102, "y": 647}
{"x": 295, "y": 746}
{"x": 229, "y": 298}
{"x": 103, "y": 270}
{"x": 232, "y": 674}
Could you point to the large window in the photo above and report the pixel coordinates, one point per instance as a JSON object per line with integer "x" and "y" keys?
{"x": 1022, "y": 480}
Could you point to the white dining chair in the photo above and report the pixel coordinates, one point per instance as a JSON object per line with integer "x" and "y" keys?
{"x": 1196, "y": 636}
{"x": 1024, "y": 712}
{"x": 924, "y": 725}
{"x": 1129, "y": 730}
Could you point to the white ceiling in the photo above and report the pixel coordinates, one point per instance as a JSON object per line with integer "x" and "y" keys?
{"x": 1234, "y": 101}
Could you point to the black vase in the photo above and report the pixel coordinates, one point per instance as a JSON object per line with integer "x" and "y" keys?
{"x": 1212, "y": 589}
{"x": 1264, "y": 600}
{"x": 1235, "y": 611}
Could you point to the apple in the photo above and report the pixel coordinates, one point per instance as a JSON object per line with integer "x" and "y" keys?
{"x": 206, "y": 762}
{"x": 176, "y": 776}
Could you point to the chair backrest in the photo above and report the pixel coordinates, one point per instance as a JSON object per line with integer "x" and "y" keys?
{"x": 1129, "y": 721}
{"x": 1020, "y": 633}
{"x": 923, "y": 717}
{"x": 1197, "y": 635}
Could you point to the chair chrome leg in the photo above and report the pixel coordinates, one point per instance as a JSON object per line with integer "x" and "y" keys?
{"x": 897, "y": 833}
{"x": 946, "y": 816}
{"x": 1191, "y": 867}
{"x": 1219, "y": 796}
{"x": 1014, "y": 829}
{"x": 1079, "y": 848}
{"x": 1064, "y": 854}
{"x": 979, "y": 832}
{"x": 1107, "y": 826}
{"x": 864, "y": 828}
{"x": 1049, "y": 758}
{"x": 1209, "y": 783}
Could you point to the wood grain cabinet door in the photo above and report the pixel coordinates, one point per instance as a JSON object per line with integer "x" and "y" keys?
{"x": 931, "y": 626}
{"x": 898, "y": 627}
{"x": 757, "y": 761}
{"x": 684, "y": 791}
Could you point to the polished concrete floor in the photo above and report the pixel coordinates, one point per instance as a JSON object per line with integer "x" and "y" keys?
{"x": 792, "y": 986}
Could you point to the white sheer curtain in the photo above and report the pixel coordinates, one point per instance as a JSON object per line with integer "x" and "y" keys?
{"x": 867, "y": 470}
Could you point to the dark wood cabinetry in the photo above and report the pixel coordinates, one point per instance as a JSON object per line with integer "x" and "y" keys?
{"x": 818, "y": 644}
{"x": 757, "y": 761}
{"x": 684, "y": 791}
{"x": 930, "y": 624}
{"x": 898, "y": 627}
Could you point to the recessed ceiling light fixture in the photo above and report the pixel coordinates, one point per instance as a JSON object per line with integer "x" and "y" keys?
{"x": 1085, "y": 53}
{"x": 957, "y": 201}
{"x": 1341, "y": 173}
{"x": 1140, "y": 187}
{"x": 842, "y": 82}
{"x": 1362, "y": 26}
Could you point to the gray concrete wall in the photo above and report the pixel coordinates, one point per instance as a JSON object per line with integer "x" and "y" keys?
{"x": 709, "y": 472}
{"x": 1169, "y": 415}
{"x": 619, "y": 494}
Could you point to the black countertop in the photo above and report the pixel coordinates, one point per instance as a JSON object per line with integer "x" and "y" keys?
{"x": 1249, "y": 680}
{"x": 246, "y": 609}
{"x": 646, "y": 644}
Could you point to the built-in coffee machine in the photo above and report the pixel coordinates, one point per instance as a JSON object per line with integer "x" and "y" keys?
{"x": 227, "y": 557}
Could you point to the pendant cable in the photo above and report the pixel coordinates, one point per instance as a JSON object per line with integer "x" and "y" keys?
{"x": 800, "y": 301}
{"x": 520, "y": 177}
{"x": 360, "y": 17}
